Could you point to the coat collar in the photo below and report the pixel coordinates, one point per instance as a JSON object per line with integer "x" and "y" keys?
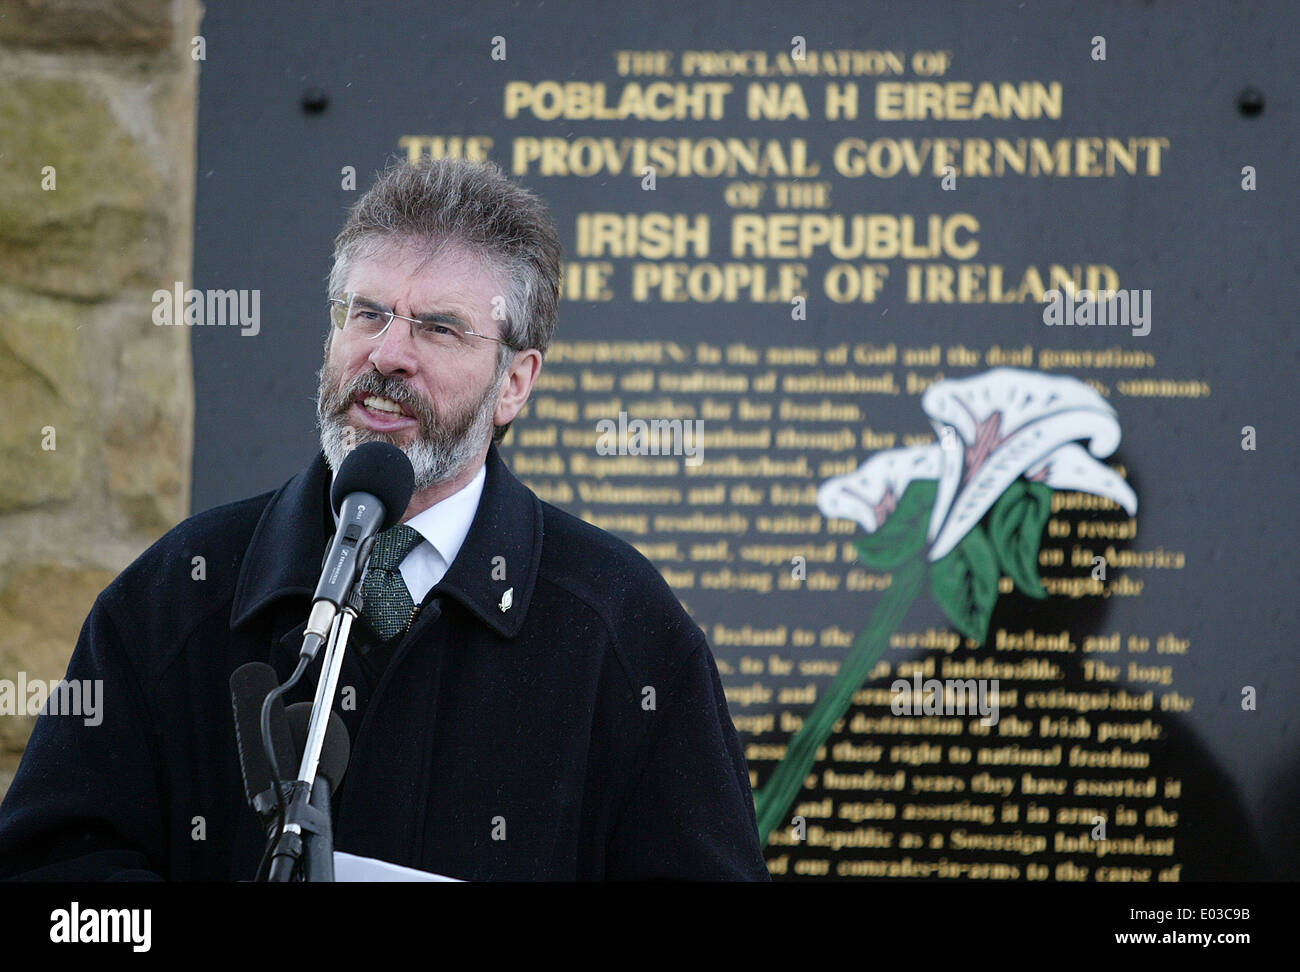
{"x": 284, "y": 555}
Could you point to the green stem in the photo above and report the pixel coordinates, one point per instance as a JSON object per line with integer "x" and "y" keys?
{"x": 773, "y": 802}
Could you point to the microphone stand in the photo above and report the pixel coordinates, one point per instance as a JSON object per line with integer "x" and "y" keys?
{"x": 307, "y": 837}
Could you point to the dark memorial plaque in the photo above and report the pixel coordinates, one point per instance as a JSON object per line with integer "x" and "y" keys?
{"x": 1001, "y": 584}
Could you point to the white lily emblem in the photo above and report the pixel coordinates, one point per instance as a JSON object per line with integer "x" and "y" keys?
{"x": 1007, "y": 439}
{"x": 993, "y": 428}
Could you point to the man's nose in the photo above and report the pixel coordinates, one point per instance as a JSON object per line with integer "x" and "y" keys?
{"x": 395, "y": 350}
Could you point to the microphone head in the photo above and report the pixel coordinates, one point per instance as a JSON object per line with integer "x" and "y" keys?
{"x": 335, "y": 750}
{"x": 383, "y": 471}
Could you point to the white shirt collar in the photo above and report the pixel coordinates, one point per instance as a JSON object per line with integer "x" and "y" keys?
{"x": 446, "y": 523}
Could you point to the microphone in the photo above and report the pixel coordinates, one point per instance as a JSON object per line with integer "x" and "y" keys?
{"x": 370, "y": 494}
{"x": 249, "y": 686}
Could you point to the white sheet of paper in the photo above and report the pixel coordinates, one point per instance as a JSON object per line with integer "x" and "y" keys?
{"x": 350, "y": 867}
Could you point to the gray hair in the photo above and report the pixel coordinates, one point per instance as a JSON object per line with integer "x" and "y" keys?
{"x": 433, "y": 204}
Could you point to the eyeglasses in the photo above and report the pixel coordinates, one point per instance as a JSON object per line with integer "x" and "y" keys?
{"x": 369, "y": 318}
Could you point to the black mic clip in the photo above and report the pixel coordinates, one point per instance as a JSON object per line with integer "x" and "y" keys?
{"x": 266, "y": 803}
{"x": 302, "y": 817}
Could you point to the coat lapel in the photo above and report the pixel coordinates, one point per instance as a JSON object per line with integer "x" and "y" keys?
{"x": 493, "y": 575}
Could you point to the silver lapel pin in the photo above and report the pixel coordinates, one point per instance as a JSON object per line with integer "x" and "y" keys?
{"x": 507, "y": 599}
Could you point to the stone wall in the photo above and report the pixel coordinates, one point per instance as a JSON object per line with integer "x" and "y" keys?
{"x": 98, "y": 102}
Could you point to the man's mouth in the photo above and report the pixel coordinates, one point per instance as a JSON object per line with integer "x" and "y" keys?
{"x": 382, "y": 414}
{"x": 377, "y": 403}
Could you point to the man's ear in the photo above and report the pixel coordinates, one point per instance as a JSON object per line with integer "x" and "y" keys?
{"x": 517, "y": 385}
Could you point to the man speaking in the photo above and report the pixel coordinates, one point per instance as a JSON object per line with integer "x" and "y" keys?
{"x": 525, "y": 697}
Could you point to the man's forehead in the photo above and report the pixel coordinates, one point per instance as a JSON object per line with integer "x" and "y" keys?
{"x": 402, "y": 275}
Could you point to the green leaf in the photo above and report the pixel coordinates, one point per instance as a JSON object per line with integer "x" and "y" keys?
{"x": 1016, "y": 531}
{"x": 903, "y": 534}
{"x": 965, "y": 584}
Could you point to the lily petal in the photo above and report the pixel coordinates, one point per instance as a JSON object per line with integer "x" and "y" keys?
{"x": 1019, "y": 396}
{"x": 1070, "y": 467}
{"x": 860, "y": 494}
{"x": 952, "y": 448}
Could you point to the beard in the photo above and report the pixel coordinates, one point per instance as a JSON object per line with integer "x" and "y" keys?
{"x": 443, "y": 445}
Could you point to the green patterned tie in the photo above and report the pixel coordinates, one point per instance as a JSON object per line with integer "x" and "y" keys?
{"x": 387, "y": 602}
